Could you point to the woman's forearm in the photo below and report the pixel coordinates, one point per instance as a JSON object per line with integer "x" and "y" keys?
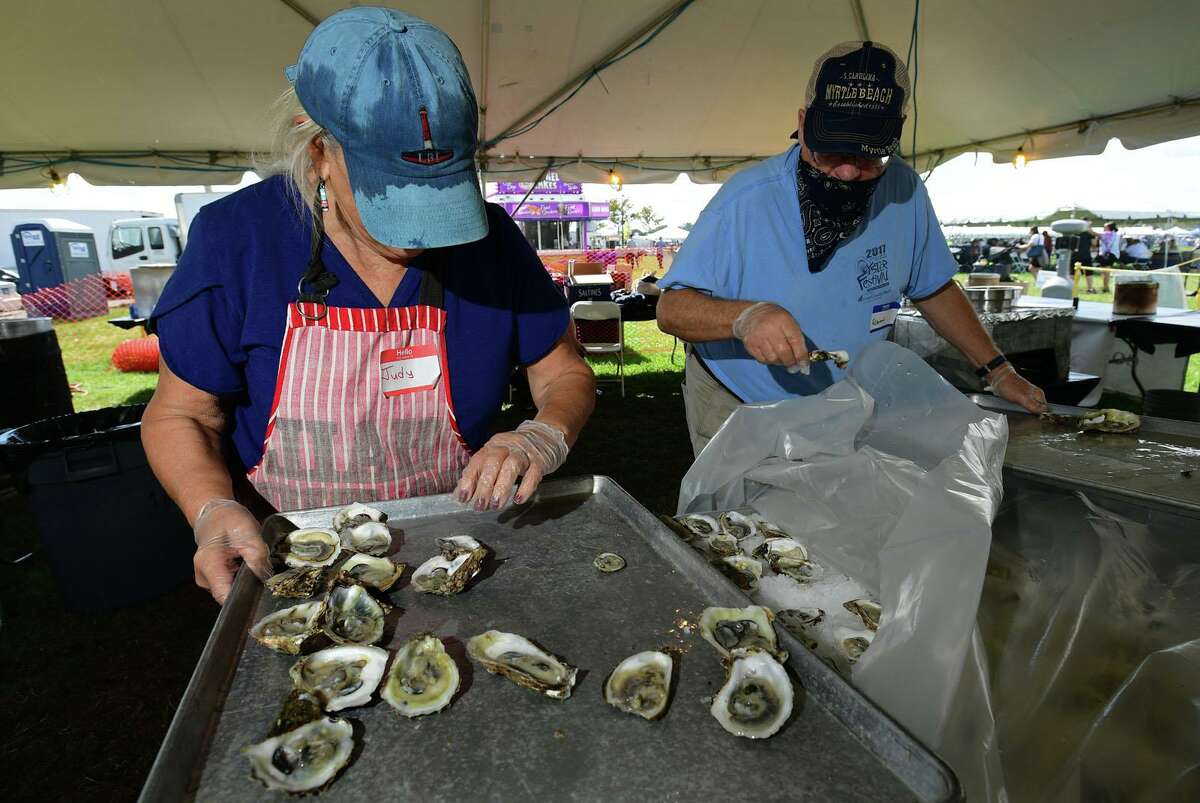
{"x": 183, "y": 440}
{"x": 563, "y": 389}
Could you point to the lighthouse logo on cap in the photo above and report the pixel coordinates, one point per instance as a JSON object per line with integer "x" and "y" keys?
{"x": 428, "y": 155}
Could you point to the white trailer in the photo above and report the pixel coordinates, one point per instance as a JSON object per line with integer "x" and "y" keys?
{"x": 98, "y": 220}
{"x": 187, "y": 204}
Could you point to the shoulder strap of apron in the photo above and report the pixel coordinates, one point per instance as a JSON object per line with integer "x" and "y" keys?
{"x": 432, "y": 292}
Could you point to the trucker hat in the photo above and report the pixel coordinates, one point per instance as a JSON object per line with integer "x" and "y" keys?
{"x": 856, "y": 99}
{"x": 393, "y": 91}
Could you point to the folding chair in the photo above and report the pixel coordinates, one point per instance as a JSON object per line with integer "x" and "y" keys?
{"x": 599, "y": 329}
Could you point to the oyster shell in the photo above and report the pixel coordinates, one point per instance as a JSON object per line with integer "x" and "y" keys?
{"x": 352, "y": 615}
{"x": 300, "y": 708}
{"x": 853, "y": 643}
{"x": 304, "y": 759}
{"x": 609, "y": 562}
{"x": 448, "y": 573}
{"x": 311, "y": 547}
{"x": 641, "y": 684}
{"x": 757, "y": 696}
{"x": 344, "y": 676}
{"x": 355, "y": 514}
{"x": 868, "y": 610}
{"x": 378, "y": 573}
{"x": 783, "y": 554}
{"x": 766, "y": 528}
{"x": 423, "y": 678}
{"x": 797, "y": 621}
{"x": 523, "y": 662}
{"x": 839, "y": 357}
{"x": 700, "y": 524}
{"x": 295, "y": 583}
{"x": 730, "y": 629}
{"x": 804, "y": 571}
{"x": 370, "y": 537}
{"x": 739, "y": 525}
{"x": 742, "y": 570}
{"x": 717, "y": 545}
{"x": 1110, "y": 420}
{"x": 290, "y": 629}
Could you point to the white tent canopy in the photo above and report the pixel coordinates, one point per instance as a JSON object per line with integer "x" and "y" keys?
{"x": 176, "y": 91}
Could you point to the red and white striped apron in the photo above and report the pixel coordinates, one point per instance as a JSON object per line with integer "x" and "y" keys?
{"x": 362, "y": 407}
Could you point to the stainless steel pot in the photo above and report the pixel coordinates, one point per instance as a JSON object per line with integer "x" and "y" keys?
{"x": 997, "y": 298}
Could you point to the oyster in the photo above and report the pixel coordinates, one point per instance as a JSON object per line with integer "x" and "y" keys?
{"x": 311, "y": 547}
{"x": 868, "y": 610}
{"x": 300, "y": 708}
{"x": 423, "y": 677}
{"x": 804, "y": 571}
{"x": 700, "y": 524}
{"x": 781, "y": 553}
{"x": 766, "y": 528}
{"x": 523, "y": 662}
{"x": 356, "y": 514}
{"x": 730, "y": 629}
{"x": 609, "y": 562}
{"x": 853, "y": 642}
{"x": 840, "y": 358}
{"x": 352, "y": 615}
{"x": 1110, "y": 421}
{"x": 742, "y": 570}
{"x": 295, "y": 583}
{"x": 641, "y": 684}
{"x": 797, "y": 621}
{"x": 290, "y": 629}
{"x": 757, "y": 696}
{"x": 378, "y": 573}
{"x": 344, "y": 676}
{"x": 739, "y": 525}
{"x": 448, "y": 573}
{"x": 717, "y": 545}
{"x": 370, "y": 537}
{"x": 304, "y": 759}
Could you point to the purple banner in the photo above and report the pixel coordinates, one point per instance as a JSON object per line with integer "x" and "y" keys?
{"x": 550, "y": 185}
{"x": 558, "y": 211}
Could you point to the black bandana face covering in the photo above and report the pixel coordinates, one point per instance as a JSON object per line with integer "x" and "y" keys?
{"x": 831, "y": 210}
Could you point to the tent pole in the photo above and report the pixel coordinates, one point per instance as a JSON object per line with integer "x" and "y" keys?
{"x": 611, "y": 54}
{"x": 294, "y": 6}
{"x": 483, "y": 68}
{"x": 860, "y": 20}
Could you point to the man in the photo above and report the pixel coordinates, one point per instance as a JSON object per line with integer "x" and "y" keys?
{"x": 812, "y": 249}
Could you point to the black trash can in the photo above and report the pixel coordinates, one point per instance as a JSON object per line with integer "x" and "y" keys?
{"x": 110, "y": 533}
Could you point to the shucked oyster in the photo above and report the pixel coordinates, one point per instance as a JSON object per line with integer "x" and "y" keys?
{"x": 853, "y": 643}
{"x": 290, "y": 629}
{"x": 523, "y": 662}
{"x": 311, "y": 547}
{"x": 700, "y": 524}
{"x": 460, "y": 559}
{"x": 352, "y": 615}
{"x": 300, "y": 708}
{"x": 757, "y": 696}
{"x": 739, "y": 525}
{"x": 730, "y": 629}
{"x": 304, "y": 759}
{"x": 295, "y": 583}
{"x": 423, "y": 678}
{"x": 766, "y": 528}
{"x": 742, "y": 570}
{"x": 356, "y": 514}
{"x": 868, "y": 610}
{"x": 799, "y": 621}
{"x": 370, "y": 537}
{"x": 344, "y": 676}
{"x": 641, "y": 684}
{"x": 1110, "y": 421}
{"x": 378, "y": 573}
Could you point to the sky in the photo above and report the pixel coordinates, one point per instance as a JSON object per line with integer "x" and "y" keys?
{"x": 969, "y": 187}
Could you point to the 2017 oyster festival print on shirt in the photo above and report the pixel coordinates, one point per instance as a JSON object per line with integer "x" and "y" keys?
{"x": 873, "y": 273}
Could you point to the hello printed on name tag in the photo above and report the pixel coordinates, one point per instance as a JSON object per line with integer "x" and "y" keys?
{"x": 409, "y": 369}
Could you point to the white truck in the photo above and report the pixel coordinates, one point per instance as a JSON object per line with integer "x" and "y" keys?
{"x": 136, "y": 242}
{"x": 98, "y": 220}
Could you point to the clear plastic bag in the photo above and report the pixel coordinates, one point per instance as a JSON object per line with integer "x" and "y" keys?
{"x": 894, "y": 477}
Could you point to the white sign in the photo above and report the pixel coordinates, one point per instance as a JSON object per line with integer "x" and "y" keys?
{"x": 32, "y": 237}
{"x": 409, "y": 369}
{"x": 78, "y": 250}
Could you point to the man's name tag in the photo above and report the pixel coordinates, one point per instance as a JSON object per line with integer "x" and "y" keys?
{"x": 409, "y": 369}
{"x": 884, "y": 315}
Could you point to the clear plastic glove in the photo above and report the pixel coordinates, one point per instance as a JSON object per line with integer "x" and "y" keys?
{"x": 532, "y": 451}
{"x": 1011, "y": 386}
{"x": 226, "y": 534}
{"x": 772, "y": 336}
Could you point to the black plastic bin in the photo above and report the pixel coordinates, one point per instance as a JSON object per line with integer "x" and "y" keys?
{"x": 110, "y": 533}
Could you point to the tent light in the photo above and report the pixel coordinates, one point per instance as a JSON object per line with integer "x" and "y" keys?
{"x": 614, "y": 180}
{"x": 58, "y": 184}
{"x": 1019, "y": 160}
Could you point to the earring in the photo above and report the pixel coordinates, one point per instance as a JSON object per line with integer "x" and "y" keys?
{"x": 321, "y": 196}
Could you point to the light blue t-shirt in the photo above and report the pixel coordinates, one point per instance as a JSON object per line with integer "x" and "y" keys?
{"x": 749, "y": 244}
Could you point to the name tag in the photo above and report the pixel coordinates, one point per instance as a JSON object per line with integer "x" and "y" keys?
{"x": 884, "y": 315}
{"x": 409, "y": 369}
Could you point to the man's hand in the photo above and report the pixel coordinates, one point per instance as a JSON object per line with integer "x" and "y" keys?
{"x": 1011, "y": 386}
{"x": 772, "y": 336}
{"x": 226, "y": 534}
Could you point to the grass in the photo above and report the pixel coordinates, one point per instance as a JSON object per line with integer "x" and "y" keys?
{"x": 87, "y": 348}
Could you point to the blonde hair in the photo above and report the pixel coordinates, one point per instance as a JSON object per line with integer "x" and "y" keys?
{"x": 289, "y": 155}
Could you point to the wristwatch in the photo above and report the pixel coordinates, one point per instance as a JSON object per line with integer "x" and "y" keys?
{"x": 991, "y": 365}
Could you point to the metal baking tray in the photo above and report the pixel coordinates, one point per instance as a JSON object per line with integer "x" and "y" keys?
{"x": 500, "y": 742}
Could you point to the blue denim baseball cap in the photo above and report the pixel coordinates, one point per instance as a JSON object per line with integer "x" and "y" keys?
{"x": 393, "y": 91}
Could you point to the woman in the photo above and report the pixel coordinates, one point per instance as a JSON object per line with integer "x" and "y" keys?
{"x": 346, "y": 330}
{"x": 1035, "y": 251}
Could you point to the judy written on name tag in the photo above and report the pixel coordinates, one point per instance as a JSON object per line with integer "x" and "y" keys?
{"x": 409, "y": 369}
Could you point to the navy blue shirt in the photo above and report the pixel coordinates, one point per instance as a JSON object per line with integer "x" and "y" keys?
{"x": 221, "y": 317}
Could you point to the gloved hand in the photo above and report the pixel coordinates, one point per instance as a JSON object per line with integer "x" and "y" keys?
{"x": 1011, "y": 386}
{"x": 533, "y": 450}
{"x": 226, "y": 532}
{"x": 772, "y": 336}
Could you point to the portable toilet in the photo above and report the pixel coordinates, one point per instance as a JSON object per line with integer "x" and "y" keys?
{"x": 51, "y": 252}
